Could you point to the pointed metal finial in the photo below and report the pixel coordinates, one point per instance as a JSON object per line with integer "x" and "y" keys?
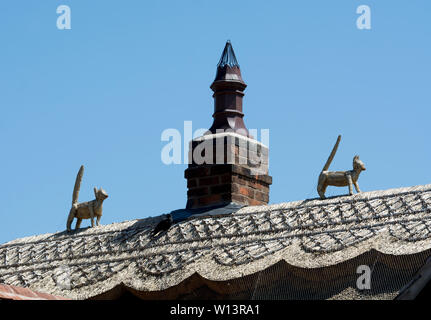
{"x": 228, "y": 88}
{"x": 228, "y": 57}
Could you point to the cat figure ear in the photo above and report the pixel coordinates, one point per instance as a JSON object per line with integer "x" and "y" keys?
{"x": 355, "y": 159}
{"x": 95, "y": 192}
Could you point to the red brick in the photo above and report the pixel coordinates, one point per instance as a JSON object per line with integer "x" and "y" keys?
{"x": 240, "y": 180}
{"x": 215, "y": 198}
{"x": 239, "y": 199}
{"x": 192, "y": 203}
{"x": 208, "y": 181}
{"x": 225, "y": 178}
{"x": 221, "y": 188}
{"x": 260, "y": 196}
{"x": 235, "y": 188}
{"x": 221, "y": 183}
{"x": 254, "y": 202}
{"x": 246, "y": 192}
{"x": 219, "y": 169}
{"x": 196, "y": 172}
{"x": 197, "y": 192}
{"x": 191, "y": 183}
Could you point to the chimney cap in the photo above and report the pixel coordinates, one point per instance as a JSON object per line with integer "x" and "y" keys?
{"x": 228, "y": 57}
{"x": 228, "y": 71}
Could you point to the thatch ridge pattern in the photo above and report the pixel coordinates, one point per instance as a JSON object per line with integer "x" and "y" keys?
{"x": 307, "y": 234}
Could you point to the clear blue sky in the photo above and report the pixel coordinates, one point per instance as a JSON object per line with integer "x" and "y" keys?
{"x": 101, "y": 94}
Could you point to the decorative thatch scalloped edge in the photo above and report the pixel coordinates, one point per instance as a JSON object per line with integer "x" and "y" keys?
{"x": 207, "y": 268}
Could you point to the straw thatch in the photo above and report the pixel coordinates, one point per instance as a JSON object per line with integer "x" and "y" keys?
{"x": 304, "y": 235}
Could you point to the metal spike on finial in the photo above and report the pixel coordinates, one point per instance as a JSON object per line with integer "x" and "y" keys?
{"x": 228, "y": 57}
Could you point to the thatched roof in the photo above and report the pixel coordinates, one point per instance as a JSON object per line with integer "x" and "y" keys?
{"x": 315, "y": 245}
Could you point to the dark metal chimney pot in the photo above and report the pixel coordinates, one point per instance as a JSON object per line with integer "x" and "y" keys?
{"x": 228, "y": 88}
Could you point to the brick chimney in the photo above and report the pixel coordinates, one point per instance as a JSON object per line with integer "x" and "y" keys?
{"x": 226, "y": 165}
